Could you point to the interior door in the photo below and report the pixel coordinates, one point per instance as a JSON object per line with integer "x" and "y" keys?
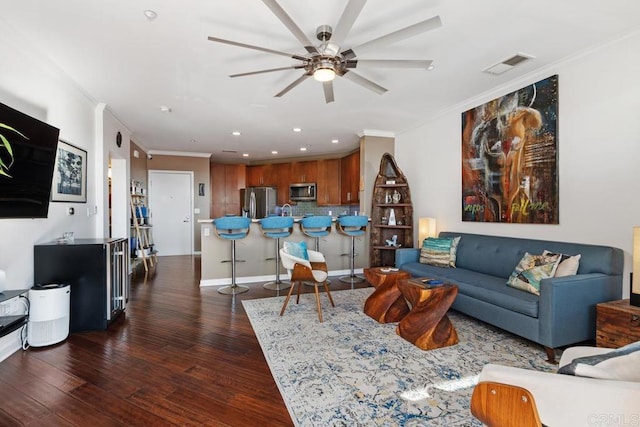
{"x": 171, "y": 204}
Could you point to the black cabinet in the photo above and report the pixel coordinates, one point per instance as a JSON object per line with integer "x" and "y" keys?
{"x": 96, "y": 269}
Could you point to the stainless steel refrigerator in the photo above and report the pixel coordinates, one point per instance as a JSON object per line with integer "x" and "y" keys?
{"x": 258, "y": 202}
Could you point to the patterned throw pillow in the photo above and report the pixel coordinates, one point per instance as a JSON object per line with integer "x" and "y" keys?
{"x": 621, "y": 364}
{"x": 440, "y": 252}
{"x": 298, "y": 250}
{"x": 568, "y": 265}
{"x": 531, "y": 270}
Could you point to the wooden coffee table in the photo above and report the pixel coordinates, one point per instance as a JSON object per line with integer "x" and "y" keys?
{"x": 427, "y": 325}
{"x": 386, "y": 304}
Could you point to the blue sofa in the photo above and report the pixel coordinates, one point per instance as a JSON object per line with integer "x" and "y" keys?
{"x": 565, "y": 311}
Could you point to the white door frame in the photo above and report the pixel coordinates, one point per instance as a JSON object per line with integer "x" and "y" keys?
{"x": 191, "y": 179}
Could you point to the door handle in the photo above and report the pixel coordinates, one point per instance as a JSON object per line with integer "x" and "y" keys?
{"x": 187, "y": 219}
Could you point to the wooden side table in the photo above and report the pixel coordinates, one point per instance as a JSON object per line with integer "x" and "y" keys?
{"x": 427, "y": 325}
{"x": 386, "y": 304}
{"x": 617, "y": 324}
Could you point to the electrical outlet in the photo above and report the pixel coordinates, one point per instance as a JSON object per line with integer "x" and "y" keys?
{"x": 207, "y": 232}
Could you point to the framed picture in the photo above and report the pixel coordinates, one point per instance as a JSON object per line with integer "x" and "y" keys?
{"x": 70, "y": 174}
{"x": 510, "y": 157}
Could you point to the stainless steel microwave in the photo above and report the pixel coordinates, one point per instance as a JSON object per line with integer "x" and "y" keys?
{"x": 302, "y": 191}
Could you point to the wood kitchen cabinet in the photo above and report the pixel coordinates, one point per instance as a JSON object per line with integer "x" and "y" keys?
{"x": 304, "y": 172}
{"x": 260, "y": 175}
{"x": 226, "y": 182}
{"x": 282, "y": 172}
{"x": 350, "y": 179}
{"x": 328, "y": 182}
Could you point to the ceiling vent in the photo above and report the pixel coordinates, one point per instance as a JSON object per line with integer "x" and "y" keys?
{"x": 229, "y": 151}
{"x": 507, "y": 64}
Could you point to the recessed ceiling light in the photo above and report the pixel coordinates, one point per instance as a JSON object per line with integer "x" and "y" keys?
{"x": 165, "y": 109}
{"x": 235, "y": 133}
{"x": 274, "y": 152}
{"x": 431, "y": 67}
{"x": 245, "y": 154}
{"x": 303, "y": 148}
{"x": 150, "y": 14}
{"x": 297, "y": 129}
{"x": 335, "y": 141}
{"x": 193, "y": 141}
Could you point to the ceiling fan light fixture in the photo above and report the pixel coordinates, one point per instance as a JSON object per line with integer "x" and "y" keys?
{"x": 324, "y": 74}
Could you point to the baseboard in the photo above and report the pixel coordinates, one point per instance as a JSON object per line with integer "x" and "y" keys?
{"x": 254, "y": 279}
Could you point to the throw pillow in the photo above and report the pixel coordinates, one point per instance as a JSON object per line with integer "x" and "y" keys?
{"x": 440, "y": 252}
{"x": 568, "y": 264}
{"x": 621, "y": 364}
{"x": 298, "y": 250}
{"x": 531, "y": 270}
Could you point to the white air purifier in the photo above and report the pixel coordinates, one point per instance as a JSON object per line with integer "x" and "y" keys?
{"x": 48, "y": 314}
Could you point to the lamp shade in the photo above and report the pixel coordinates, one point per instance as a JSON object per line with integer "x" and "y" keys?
{"x": 426, "y": 228}
{"x": 635, "y": 283}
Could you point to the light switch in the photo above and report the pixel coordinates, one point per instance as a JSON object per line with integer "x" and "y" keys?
{"x": 196, "y": 210}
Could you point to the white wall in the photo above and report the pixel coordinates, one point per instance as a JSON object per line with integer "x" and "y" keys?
{"x": 32, "y": 84}
{"x": 599, "y": 154}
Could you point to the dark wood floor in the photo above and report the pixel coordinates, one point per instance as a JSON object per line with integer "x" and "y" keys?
{"x": 182, "y": 355}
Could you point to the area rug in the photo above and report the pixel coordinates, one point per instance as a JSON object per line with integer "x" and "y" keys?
{"x": 352, "y": 371}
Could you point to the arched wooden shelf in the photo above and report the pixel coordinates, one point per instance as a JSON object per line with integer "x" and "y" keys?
{"x": 390, "y": 179}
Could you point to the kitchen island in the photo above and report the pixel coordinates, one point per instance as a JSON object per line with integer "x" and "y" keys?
{"x": 258, "y": 253}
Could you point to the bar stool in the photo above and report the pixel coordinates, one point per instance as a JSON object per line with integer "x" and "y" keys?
{"x": 276, "y": 227}
{"x": 232, "y": 228}
{"x": 352, "y": 225}
{"x": 316, "y": 227}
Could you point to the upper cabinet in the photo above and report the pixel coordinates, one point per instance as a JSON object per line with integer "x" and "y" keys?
{"x": 328, "y": 183}
{"x": 303, "y": 172}
{"x": 282, "y": 172}
{"x": 226, "y": 182}
{"x": 350, "y": 179}
{"x": 260, "y": 175}
{"x": 337, "y": 180}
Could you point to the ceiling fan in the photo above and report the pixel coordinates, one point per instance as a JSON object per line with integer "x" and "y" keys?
{"x": 327, "y": 60}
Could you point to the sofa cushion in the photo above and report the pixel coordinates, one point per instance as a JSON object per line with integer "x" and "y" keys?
{"x": 439, "y": 252}
{"x": 480, "y": 286}
{"x": 621, "y": 364}
{"x": 531, "y": 270}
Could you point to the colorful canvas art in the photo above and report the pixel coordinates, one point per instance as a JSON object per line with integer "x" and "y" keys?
{"x": 510, "y": 157}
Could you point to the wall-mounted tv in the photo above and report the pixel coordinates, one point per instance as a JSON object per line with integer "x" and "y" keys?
{"x": 27, "y": 159}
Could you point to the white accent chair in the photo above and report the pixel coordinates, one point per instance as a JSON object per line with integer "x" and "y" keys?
{"x": 313, "y": 270}
{"x": 559, "y": 400}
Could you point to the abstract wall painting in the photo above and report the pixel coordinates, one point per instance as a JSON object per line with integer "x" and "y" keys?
{"x": 510, "y": 157}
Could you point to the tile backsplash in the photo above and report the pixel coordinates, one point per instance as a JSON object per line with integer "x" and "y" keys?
{"x": 306, "y": 208}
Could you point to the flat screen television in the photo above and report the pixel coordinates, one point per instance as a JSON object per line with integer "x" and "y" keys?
{"x": 27, "y": 160}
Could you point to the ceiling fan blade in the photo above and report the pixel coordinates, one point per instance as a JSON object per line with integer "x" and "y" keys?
{"x": 291, "y": 26}
{"x": 261, "y": 49}
{"x": 396, "y": 36}
{"x": 251, "y": 73}
{"x": 292, "y": 85}
{"x": 348, "y": 18}
{"x": 358, "y": 79}
{"x": 391, "y": 63}
{"x": 328, "y": 91}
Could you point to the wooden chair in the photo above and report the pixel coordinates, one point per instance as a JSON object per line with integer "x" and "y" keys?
{"x": 504, "y": 405}
{"x": 313, "y": 270}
